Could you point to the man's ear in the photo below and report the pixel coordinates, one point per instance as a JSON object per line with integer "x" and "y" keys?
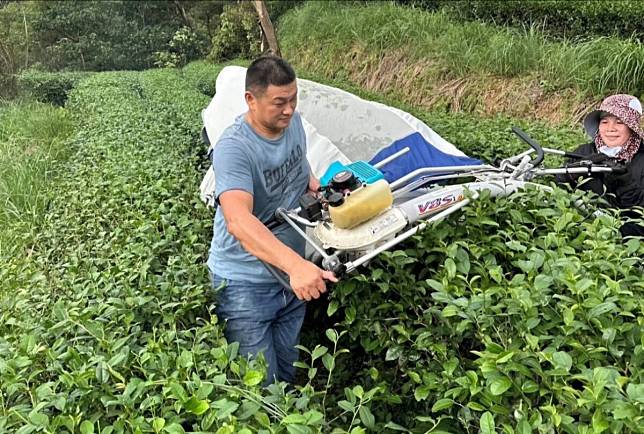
{"x": 250, "y": 100}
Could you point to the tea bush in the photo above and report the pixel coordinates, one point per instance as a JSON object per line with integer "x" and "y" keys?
{"x": 472, "y": 325}
{"x": 572, "y": 19}
{"x": 106, "y": 320}
{"x": 522, "y": 315}
{"x": 203, "y": 75}
{"x": 49, "y": 87}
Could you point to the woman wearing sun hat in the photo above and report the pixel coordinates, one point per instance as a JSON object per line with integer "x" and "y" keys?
{"x": 617, "y": 138}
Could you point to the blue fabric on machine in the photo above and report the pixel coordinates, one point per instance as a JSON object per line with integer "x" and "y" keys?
{"x": 421, "y": 154}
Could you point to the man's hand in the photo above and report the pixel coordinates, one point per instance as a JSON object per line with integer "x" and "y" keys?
{"x": 314, "y": 185}
{"x": 307, "y": 280}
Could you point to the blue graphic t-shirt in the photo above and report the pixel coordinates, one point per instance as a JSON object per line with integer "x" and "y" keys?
{"x": 276, "y": 173}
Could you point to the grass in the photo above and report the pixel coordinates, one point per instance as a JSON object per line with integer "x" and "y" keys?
{"x": 459, "y": 49}
{"x": 32, "y": 140}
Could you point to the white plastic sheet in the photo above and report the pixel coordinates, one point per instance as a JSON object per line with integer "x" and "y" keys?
{"x": 338, "y": 125}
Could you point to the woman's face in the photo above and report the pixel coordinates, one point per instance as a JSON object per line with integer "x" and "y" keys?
{"x": 613, "y": 131}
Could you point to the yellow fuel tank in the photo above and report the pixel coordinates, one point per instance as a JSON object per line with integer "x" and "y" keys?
{"x": 362, "y": 204}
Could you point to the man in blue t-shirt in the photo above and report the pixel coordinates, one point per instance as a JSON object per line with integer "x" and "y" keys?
{"x": 260, "y": 165}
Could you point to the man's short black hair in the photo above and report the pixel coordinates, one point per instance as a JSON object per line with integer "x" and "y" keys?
{"x": 267, "y": 70}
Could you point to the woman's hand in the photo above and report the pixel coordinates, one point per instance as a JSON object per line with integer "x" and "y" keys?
{"x": 619, "y": 177}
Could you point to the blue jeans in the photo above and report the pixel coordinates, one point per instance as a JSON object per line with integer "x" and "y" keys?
{"x": 263, "y": 318}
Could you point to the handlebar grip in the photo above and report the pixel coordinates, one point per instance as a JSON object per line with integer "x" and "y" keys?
{"x": 619, "y": 169}
{"x": 537, "y": 147}
{"x": 282, "y": 278}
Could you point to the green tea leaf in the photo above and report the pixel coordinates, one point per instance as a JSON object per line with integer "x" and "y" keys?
{"x": 86, "y": 427}
{"x": 635, "y": 392}
{"x": 332, "y": 335}
{"x": 332, "y": 308}
{"x": 157, "y": 424}
{"x": 562, "y": 360}
{"x": 394, "y": 426}
{"x": 174, "y": 428}
{"x": 523, "y": 427}
{"x": 196, "y": 406}
{"x": 442, "y": 404}
{"x": 601, "y": 309}
{"x": 487, "y": 423}
{"x": 345, "y": 405}
{"x": 506, "y": 358}
{"x": 450, "y": 266}
{"x": 367, "y": 417}
{"x": 225, "y": 408}
{"x": 294, "y": 418}
{"x": 318, "y": 352}
{"x": 253, "y": 378}
{"x": 421, "y": 393}
{"x": 600, "y": 423}
{"x": 500, "y": 385}
{"x": 475, "y": 406}
{"x": 393, "y": 353}
{"x": 434, "y": 284}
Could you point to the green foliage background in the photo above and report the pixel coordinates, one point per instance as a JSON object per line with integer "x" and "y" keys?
{"x": 123, "y": 35}
{"x": 558, "y": 18}
{"x": 518, "y": 315}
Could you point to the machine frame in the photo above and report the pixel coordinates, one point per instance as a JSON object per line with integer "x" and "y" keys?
{"x": 421, "y": 206}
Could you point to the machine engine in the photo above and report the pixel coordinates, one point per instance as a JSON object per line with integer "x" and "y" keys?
{"x": 350, "y": 195}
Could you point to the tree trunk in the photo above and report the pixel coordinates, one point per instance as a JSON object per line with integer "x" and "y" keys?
{"x": 184, "y": 16}
{"x": 267, "y": 27}
{"x": 24, "y": 19}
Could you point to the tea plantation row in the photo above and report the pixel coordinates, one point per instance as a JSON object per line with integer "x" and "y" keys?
{"x": 106, "y": 320}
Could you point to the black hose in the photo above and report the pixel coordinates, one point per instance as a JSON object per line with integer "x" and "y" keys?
{"x": 574, "y": 155}
{"x": 281, "y": 277}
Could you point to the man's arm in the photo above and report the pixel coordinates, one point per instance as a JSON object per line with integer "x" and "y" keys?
{"x": 307, "y": 280}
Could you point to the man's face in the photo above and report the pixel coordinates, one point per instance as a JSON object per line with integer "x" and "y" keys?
{"x": 613, "y": 131}
{"x": 274, "y": 108}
